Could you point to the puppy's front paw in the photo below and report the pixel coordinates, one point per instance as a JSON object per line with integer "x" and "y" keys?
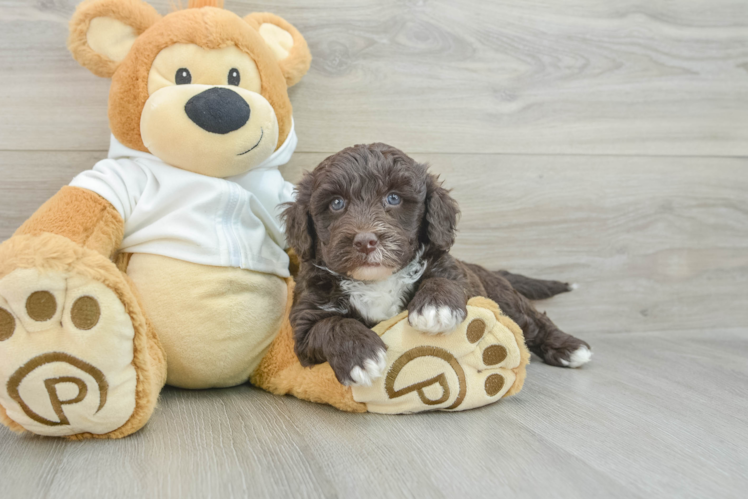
{"x": 439, "y": 306}
{"x": 372, "y": 369}
{"x": 358, "y": 354}
{"x": 435, "y": 319}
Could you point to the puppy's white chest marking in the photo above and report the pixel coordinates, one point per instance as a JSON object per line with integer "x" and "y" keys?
{"x": 380, "y": 300}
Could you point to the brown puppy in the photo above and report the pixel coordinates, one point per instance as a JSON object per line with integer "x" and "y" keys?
{"x": 373, "y": 231}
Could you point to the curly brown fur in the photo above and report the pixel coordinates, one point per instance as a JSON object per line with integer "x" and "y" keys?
{"x": 366, "y": 256}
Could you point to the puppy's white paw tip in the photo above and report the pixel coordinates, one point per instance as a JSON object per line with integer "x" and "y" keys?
{"x": 359, "y": 376}
{"x": 436, "y": 319}
{"x": 573, "y": 286}
{"x": 580, "y": 357}
{"x": 372, "y": 369}
{"x": 381, "y": 361}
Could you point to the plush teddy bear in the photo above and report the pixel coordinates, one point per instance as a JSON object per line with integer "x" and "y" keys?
{"x": 166, "y": 262}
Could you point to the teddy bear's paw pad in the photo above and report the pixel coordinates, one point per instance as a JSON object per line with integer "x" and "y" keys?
{"x": 66, "y": 352}
{"x": 470, "y": 367}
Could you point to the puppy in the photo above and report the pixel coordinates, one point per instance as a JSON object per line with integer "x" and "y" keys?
{"x": 373, "y": 230}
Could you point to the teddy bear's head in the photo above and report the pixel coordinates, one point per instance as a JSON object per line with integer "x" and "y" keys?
{"x": 201, "y": 88}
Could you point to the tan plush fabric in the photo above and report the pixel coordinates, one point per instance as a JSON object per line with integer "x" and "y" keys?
{"x": 215, "y": 323}
{"x": 521, "y": 371}
{"x": 279, "y": 40}
{"x": 81, "y": 216}
{"x": 69, "y": 360}
{"x": 281, "y": 373}
{"x": 165, "y": 124}
{"x": 279, "y": 370}
{"x": 295, "y": 58}
{"x": 218, "y": 326}
{"x": 10, "y": 424}
{"x": 208, "y": 27}
{"x": 196, "y": 4}
{"x": 134, "y": 13}
{"x": 54, "y": 260}
{"x": 477, "y": 364}
{"x": 206, "y": 67}
{"x": 450, "y": 360}
{"x": 110, "y": 37}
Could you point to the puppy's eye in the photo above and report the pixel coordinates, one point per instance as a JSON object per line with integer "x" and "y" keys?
{"x": 234, "y": 76}
{"x": 393, "y": 199}
{"x": 183, "y": 76}
{"x": 337, "y": 204}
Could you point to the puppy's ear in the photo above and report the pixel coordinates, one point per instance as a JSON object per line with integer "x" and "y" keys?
{"x": 441, "y": 215}
{"x": 298, "y": 220}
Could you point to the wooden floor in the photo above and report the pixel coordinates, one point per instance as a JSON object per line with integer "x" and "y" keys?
{"x": 592, "y": 141}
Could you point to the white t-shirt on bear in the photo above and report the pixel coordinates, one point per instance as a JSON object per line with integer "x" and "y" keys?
{"x": 232, "y": 222}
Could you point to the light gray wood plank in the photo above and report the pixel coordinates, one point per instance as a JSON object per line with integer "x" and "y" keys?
{"x": 28, "y": 179}
{"x": 658, "y": 245}
{"x": 483, "y": 453}
{"x": 696, "y": 358}
{"x": 733, "y": 344}
{"x": 649, "y": 411}
{"x": 28, "y": 464}
{"x": 224, "y": 443}
{"x": 623, "y": 426}
{"x": 581, "y": 76}
{"x": 655, "y": 243}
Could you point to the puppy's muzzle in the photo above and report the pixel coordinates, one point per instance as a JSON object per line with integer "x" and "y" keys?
{"x": 218, "y": 110}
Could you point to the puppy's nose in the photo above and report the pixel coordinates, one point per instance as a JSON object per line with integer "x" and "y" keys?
{"x": 218, "y": 110}
{"x": 365, "y": 242}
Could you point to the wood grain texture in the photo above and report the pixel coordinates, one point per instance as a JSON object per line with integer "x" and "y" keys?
{"x": 654, "y": 415}
{"x": 468, "y": 76}
{"x": 597, "y": 142}
{"x": 655, "y": 243}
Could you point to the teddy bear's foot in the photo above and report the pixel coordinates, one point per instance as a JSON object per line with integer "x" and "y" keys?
{"x": 68, "y": 350}
{"x": 478, "y": 363}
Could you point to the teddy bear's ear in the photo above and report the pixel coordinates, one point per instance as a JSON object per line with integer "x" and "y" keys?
{"x": 103, "y": 31}
{"x": 287, "y": 44}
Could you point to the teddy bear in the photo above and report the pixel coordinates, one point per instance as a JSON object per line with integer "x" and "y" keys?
{"x": 166, "y": 262}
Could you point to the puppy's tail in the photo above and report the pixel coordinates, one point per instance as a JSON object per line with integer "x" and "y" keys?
{"x": 535, "y": 289}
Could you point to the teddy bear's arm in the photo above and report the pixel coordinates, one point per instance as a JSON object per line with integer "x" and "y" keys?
{"x": 81, "y": 216}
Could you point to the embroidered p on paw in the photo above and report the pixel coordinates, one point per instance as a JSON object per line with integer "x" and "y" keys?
{"x": 478, "y": 363}
{"x": 66, "y": 345}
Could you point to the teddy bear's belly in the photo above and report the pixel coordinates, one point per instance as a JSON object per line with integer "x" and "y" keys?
{"x": 215, "y": 323}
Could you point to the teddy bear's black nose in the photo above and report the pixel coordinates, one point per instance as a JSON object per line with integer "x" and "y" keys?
{"x": 218, "y": 110}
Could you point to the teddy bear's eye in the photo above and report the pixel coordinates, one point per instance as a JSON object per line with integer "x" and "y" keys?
{"x": 183, "y": 76}
{"x": 234, "y": 76}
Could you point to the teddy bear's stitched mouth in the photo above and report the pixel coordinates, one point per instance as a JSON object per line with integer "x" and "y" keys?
{"x": 262, "y": 133}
